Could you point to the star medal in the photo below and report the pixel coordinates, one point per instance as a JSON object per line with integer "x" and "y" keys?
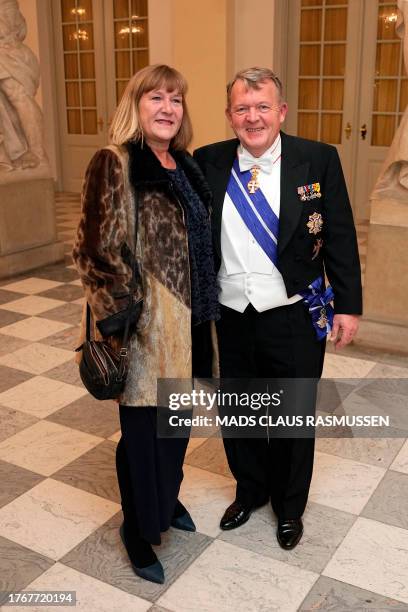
{"x": 323, "y": 320}
{"x": 316, "y": 248}
{"x": 315, "y": 223}
{"x": 253, "y": 183}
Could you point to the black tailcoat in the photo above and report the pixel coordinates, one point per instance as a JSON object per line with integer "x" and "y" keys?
{"x": 303, "y": 162}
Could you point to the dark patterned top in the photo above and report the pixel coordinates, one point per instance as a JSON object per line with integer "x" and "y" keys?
{"x": 204, "y": 292}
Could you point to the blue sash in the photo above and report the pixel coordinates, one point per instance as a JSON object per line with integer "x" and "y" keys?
{"x": 255, "y": 212}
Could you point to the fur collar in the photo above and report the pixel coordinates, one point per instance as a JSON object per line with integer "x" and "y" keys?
{"x": 145, "y": 170}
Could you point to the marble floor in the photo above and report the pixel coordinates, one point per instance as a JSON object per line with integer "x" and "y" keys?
{"x": 59, "y": 504}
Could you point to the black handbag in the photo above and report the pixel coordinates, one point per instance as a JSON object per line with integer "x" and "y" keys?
{"x": 103, "y": 370}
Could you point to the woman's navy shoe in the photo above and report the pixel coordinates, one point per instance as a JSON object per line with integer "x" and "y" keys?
{"x": 153, "y": 572}
{"x": 184, "y": 522}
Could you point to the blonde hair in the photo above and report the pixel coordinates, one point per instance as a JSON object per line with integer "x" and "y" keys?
{"x": 125, "y": 124}
{"x": 252, "y": 77}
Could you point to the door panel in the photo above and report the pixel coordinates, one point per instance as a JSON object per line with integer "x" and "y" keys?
{"x": 99, "y": 45}
{"x": 347, "y": 84}
{"x": 383, "y": 96}
{"x": 127, "y": 46}
{"x": 322, "y": 73}
{"x": 80, "y": 85}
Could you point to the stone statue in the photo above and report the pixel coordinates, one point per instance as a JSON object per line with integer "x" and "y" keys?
{"x": 392, "y": 184}
{"x": 21, "y": 138}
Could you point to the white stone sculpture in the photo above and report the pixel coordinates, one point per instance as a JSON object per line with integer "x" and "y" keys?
{"x": 392, "y": 184}
{"x": 21, "y": 137}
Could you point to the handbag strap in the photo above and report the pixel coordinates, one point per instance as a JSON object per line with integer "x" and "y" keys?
{"x": 88, "y": 322}
{"x": 123, "y": 350}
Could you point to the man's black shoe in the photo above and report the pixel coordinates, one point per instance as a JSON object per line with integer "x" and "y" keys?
{"x": 289, "y": 533}
{"x": 235, "y": 515}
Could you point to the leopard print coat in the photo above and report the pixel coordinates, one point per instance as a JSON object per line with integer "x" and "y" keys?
{"x": 103, "y": 252}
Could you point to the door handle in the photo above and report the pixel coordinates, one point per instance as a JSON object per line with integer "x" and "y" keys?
{"x": 100, "y": 123}
{"x": 347, "y": 130}
{"x": 363, "y": 131}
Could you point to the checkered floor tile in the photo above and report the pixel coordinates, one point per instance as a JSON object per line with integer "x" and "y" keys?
{"x": 60, "y": 506}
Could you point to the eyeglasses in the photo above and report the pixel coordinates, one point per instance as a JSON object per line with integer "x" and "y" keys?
{"x": 260, "y": 108}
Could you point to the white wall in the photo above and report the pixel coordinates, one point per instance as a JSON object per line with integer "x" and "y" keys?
{"x": 254, "y": 37}
{"x": 161, "y": 47}
{"x": 200, "y": 53}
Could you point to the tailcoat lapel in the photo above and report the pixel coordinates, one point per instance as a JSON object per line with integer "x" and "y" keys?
{"x": 218, "y": 175}
{"x": 294, "y": 174}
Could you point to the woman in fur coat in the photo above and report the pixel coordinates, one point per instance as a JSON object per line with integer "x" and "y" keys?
{"x": 147, "y": 163}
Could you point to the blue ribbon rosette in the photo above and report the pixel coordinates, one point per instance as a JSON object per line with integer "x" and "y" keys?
{"x": 319, "y": 306}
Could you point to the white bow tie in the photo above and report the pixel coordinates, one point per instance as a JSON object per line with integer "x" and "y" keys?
{"x": 247, "y": 161}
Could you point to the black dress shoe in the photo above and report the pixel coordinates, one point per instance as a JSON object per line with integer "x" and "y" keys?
{"x": 289, "y": 532}
{"x": 235, "y": 515}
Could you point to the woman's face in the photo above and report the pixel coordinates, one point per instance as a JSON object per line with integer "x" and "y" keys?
{"x": 160, "y": 115}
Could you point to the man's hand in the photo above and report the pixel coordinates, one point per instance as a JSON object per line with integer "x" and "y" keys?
{"x": 344, "y": 329}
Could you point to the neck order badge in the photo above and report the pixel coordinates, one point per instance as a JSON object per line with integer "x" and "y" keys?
{"x": 253, "y": 184}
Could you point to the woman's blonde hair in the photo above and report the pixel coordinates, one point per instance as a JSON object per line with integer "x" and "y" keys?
{"x": 126, "y": 123}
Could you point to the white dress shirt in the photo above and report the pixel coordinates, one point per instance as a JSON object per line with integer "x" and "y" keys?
{"x": 247, "y": 275}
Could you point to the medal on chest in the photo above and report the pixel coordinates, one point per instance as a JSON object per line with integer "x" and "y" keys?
{"x": 315, "y": 223}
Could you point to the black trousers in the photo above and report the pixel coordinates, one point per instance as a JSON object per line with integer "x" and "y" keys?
{"x": 150, "y": 472}
{"x": 149, "y": 468}
{"x": 277, "y": 343}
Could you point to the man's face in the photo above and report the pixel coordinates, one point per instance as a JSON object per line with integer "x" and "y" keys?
{"x": 256, "y": 115}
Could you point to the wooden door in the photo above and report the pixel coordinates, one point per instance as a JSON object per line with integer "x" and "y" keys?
{"x": 81, "y": 83}
{"x": 99, "y": 44}
{"x": 383, "y": 98}
{"x": 323, "y": 73}
{"x": 346, "y": 84}
{"x": 126, "y": 44}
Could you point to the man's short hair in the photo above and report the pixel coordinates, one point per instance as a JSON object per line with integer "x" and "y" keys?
{"x": 252, "y": 77}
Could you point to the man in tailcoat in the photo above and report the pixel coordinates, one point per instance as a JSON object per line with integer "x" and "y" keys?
{"x": 281, "y": 221}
